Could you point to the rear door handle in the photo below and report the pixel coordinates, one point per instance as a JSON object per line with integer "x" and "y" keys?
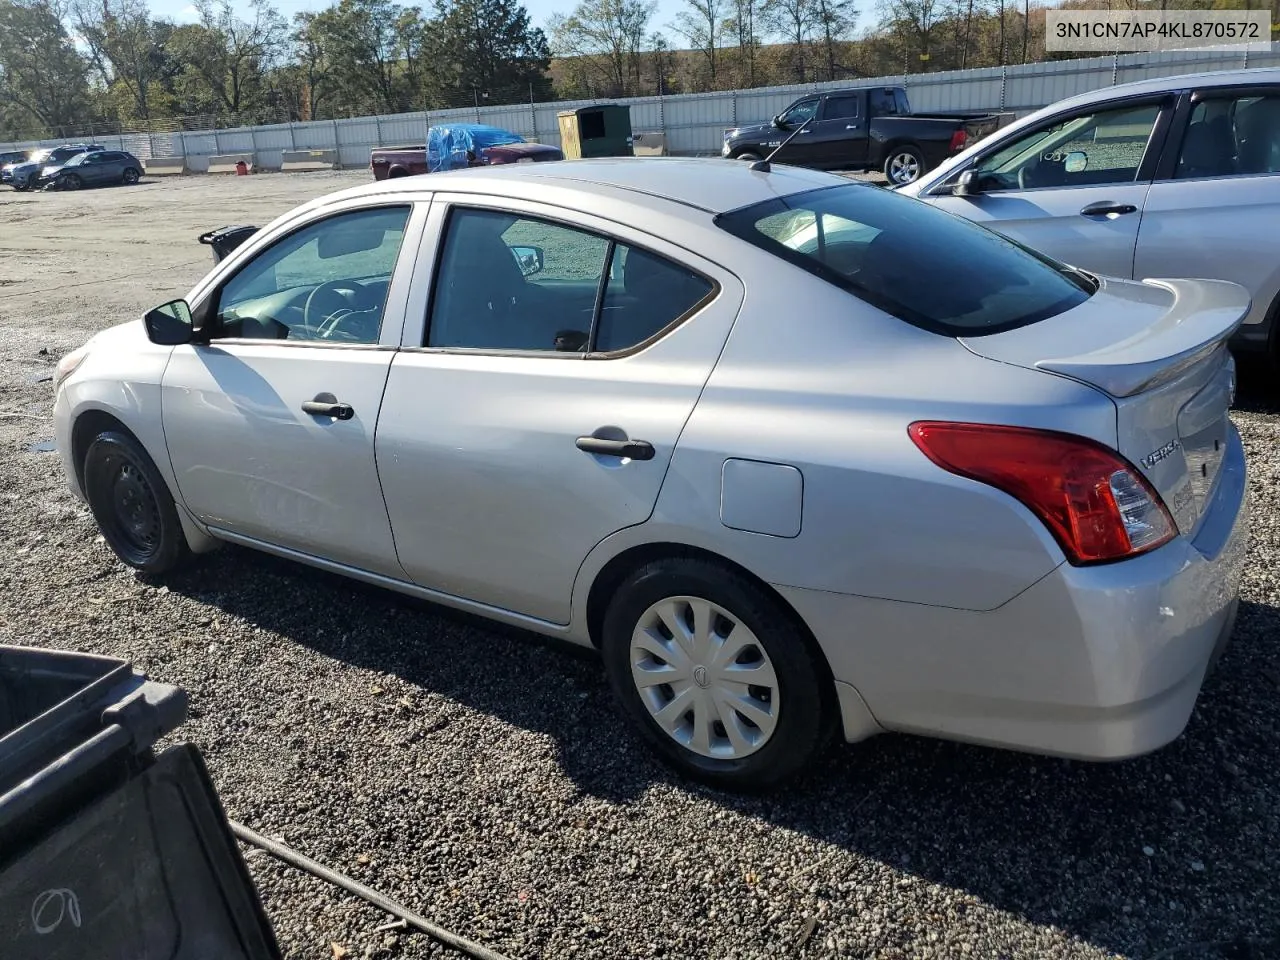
{"x": 328, "y": 408}
{"x": 1106, "y": 208}
{"x": 628, "y": 449}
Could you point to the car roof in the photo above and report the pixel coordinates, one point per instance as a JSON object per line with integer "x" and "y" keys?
{"x": 711, "y": 185}
{"x": 1216, "y": 78}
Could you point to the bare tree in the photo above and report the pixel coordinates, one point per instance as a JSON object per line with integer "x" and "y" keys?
{"x": 125, "y": 46}
{"x": 741, "y": 26}
{"x": 701, "y": 24}
{"x": 835, "y": 20}
{"x": 794, "y": 20}
{"x": 606, "y": 38}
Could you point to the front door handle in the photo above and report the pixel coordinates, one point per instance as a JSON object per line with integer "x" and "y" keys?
{"x": 628, "y": 449}
{"x": 851, "y": 126}
{"x": 1106, "y": 208}
{"x": 328, "y": 408}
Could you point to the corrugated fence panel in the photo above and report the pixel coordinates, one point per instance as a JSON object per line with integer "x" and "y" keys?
{"x": 694, "y": 123}
{"x": 404, "y": 129}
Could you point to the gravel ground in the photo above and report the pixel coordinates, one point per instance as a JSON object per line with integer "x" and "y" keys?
{"x": 481, "y": 777}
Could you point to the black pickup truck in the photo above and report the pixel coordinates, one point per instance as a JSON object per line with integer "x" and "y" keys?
{"x": 860, "y": 129}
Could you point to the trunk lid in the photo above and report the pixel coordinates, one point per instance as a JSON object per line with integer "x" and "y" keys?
{"x": 1158, "y": 350}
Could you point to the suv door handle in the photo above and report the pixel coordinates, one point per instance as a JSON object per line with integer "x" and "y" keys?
{"x": 629, "y": 449}
{"x": 851, "y": 126}
{"x": 328, "y": 408}
{"x": 1107, "y": 208}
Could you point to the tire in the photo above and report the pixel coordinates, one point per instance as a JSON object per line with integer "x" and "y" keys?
{"x": 131, "y": 176}
{"x": 748, "y": 155}
{"x": 21, "y": 187}
{"x": 132, "y": 504}
{"x": 903, "y": 164}
{"x": 797, "y": 698}
{"x": 69, "y": 181}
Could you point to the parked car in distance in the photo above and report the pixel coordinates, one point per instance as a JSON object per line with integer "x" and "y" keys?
{"x": 97, "y": 169}
{"x": 1006, "y": 505}
{"x": 458, "y": 145}
{"x": 24, "y": 176}
{"x": 869, "y": 128}
{"x": 1172, "y": 177}
{"x": 8, "y": 160}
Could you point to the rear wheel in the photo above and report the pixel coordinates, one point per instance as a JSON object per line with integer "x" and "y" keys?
{"x": 903, "y": 165}
{"x": 131, "y": 176}
{"x": 132, "y": 504}
{"x": 716, "y": 676}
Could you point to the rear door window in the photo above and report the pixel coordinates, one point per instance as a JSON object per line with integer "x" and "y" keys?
{"x": 911, "y": 260}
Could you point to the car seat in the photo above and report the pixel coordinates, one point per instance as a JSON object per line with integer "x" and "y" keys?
{"x": 657, "y": 292}
{"x": 1208, "y": 150}
{"x": 480, "y": 287}
{"x": 1257, "y": 135}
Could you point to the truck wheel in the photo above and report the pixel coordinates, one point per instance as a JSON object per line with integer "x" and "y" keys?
{"x": 903, "y": 165}
{"x": 747, "y": 155}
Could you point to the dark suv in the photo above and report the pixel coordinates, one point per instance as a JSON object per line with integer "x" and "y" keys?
{"x": 96, "y": 168}
{"x": 24, "y": 175}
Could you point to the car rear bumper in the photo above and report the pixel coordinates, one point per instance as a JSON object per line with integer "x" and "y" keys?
{"x": 1101, "y": 662}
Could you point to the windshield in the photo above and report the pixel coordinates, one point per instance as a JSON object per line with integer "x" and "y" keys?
{"x": 929, "y": 268}
{"x": 40, "y": 156}
{"x": 78, "y": 159}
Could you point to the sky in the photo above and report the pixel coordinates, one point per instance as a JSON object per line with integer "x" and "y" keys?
{"x": 539, "y": 10}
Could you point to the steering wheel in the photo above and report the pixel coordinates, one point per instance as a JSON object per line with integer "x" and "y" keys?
{"x": 329, "y": 319}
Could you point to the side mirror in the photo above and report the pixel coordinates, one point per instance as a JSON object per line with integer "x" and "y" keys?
{"x": 169, "y": 324}
{"x": 1075, "y": 162}
{"x": 530, "y": 259}
{"x": 969, "y": 184}
{"x": 779, "y": 122}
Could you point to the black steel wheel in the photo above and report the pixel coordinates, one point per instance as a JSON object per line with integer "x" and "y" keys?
{"x": 132, "y": 504}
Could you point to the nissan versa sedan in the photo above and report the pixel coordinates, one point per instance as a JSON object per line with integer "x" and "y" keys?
{"x": 1179, "y": 175}
{"x": 801, "y": 457}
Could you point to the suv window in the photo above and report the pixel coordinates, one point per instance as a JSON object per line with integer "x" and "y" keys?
{"x": 508, "y": 282}
{"x": 1230, "y": 136}
{"x": 878, "y": 245}
{"x": 841, "y": 108}
{"x": 1089, "y": 149}
{"x": 326, "y": 281}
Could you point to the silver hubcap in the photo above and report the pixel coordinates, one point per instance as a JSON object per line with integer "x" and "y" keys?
{"x": 704, "y": 678}
{"x": 903, "y": 168}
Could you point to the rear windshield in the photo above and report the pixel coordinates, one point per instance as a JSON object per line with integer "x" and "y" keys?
{"x": 929, "y": 268}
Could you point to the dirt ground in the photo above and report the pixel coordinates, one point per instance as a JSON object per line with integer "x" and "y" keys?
{"x": 484, "y": 779}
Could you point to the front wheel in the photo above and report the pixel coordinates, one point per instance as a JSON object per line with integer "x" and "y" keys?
{"x": 750, "y": 156}
{"x": 69, "y": 181}
{"x": 903, "y": 165}
{"x": 132, "y": 504}
{"x": 131, "y": 176}
{"x": 21, "y": 187}
{"x": 715, "y": 675}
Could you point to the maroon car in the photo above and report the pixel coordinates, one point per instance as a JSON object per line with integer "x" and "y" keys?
{"x": 458, "y": 145}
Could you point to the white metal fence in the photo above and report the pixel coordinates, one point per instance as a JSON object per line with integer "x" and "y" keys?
{"x": 693, "y": 123}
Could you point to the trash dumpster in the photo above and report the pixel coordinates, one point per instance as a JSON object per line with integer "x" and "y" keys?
{"x": 107, "y": 850}
{"x": 225, "y": 239}
{"x": 603, "y": 130}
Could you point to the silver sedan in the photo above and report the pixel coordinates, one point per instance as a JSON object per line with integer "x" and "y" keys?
{"x": 801, "y": 457}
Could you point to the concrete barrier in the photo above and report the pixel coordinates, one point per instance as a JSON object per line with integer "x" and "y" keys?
{"x": 226, "y": 162}
{"x": 649, "y": 144}
{"x": 164, "y": 166}
{"x": 310, "y": 160}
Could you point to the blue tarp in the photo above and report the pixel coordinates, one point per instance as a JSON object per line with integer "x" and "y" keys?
{"x": 447, "y": 144}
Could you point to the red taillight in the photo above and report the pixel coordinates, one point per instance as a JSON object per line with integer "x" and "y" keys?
{"x": 958, "y": 140}
{"x": 1096, "y": 504}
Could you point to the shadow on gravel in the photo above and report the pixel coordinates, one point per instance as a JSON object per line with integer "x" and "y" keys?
{"x": 1134, "y": 857}
{"x": 1140, "y": 857}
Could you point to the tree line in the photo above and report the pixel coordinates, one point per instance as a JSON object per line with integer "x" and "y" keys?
{"x": 68, "y": 65}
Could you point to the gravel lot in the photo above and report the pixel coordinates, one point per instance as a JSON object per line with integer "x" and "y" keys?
{"x": 481, "y": 777}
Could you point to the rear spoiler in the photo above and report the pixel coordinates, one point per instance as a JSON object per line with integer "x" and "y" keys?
{"x": 225, "y": 239}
